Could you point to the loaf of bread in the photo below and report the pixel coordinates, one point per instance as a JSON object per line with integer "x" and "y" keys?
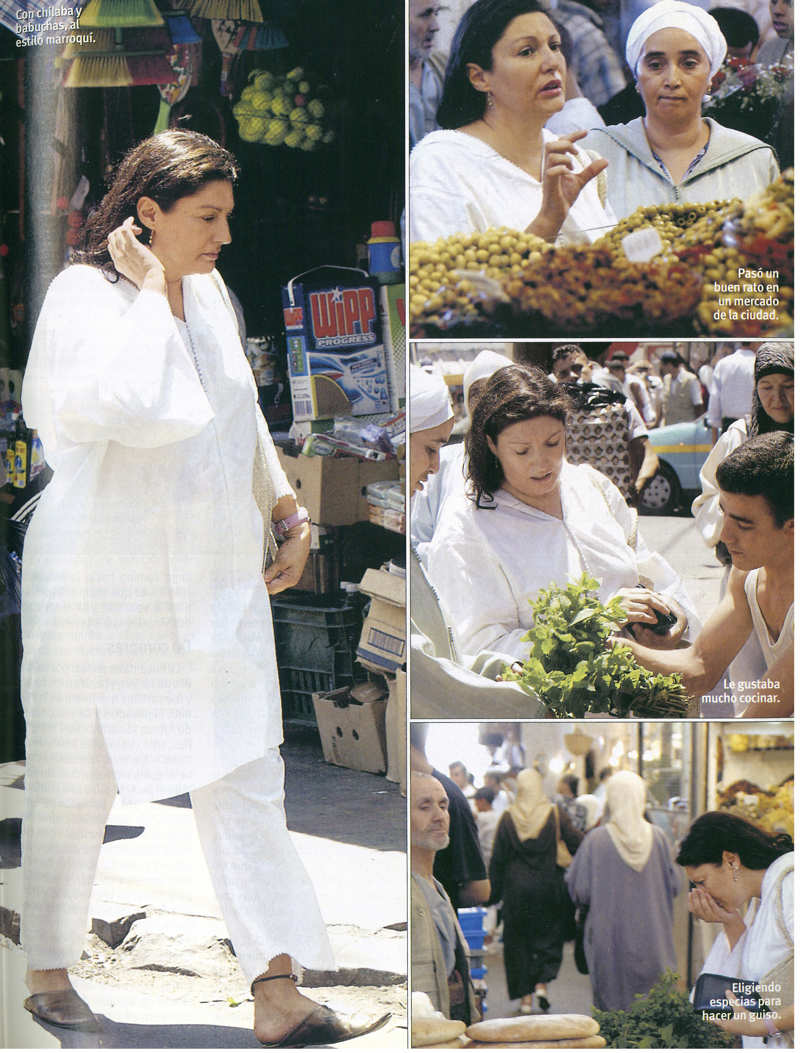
{"x": 592, "y": 1042}
{"x": 435, "y": 1031}
{"x": 545, "y": 1028}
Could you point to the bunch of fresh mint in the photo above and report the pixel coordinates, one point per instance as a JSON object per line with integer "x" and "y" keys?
{"x": 661, "y": 1019}
{"x": 573, "y": 671}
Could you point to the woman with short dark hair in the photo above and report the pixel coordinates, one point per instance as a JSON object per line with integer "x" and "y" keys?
{"x": 735, "y": 866}
{"x": 533, "y": 519}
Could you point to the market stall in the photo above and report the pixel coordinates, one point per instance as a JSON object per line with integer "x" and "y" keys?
{"x": 719, "y": 269}
{"x": 688, "y": 768}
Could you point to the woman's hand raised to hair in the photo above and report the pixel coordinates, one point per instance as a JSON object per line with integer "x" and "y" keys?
{"x": 562, "y": 182}
{"x": 135, "y": 261}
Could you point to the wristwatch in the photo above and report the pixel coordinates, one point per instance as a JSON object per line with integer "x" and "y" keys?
{"x": 281, "y": 527}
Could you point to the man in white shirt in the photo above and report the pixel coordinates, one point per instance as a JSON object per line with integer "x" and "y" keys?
{"x": 501, "y": 800}
{"x": 633, "y": 387}
{"x": 487, "y": 819}
{"x": 731, "y": 395}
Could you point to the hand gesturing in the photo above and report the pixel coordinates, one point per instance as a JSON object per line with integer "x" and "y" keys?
{"x": 562, "y": 182}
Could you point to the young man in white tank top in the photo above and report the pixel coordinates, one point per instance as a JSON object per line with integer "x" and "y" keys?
{"x": 757, "y": 498}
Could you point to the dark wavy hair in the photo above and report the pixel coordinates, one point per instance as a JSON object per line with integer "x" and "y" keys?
{"x": 480, "y": 28}
{"x": 763, "y": 467}
{"x": 165, "y": 167}
{"x": 716, "y": 832}
{"x": 513, "y": 394}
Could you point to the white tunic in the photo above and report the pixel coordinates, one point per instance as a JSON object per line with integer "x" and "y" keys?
{"x": 763, "y": 945}
{"x": 705, "y": 507}
{"x": 142, "y": 594}
{"x": 426, "y": 506}
{"x": 487, "y": 564}
{"x": 460, "y": 184}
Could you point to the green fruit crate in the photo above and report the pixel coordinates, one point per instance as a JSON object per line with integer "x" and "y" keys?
{"x": 315, "y": 645}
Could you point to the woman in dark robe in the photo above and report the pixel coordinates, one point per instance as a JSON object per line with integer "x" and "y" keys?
{"x": 525, "y": 876}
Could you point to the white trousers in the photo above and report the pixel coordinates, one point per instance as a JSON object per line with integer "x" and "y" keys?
{"x": 264, "y": 891}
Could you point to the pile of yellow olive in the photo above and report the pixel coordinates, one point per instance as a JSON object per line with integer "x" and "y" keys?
{"x": 725, "y": 268}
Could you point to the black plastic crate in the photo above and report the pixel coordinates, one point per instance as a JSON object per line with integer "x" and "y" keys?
{"x": 315, "y": 644}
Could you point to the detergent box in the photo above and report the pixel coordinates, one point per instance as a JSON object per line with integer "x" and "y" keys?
{"x": 335, "y": 347}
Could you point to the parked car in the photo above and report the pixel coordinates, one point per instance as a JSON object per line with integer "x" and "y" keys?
{"x": 682, "y": 450}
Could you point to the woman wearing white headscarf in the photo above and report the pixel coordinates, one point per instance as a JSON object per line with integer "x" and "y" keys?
{"x": 623, "y": 872}
{"x": 673, "y": 153}
{"x": 524, "y": 874}
{"x": 451, "y": 476}
{"x": 589, "y": 810}
{"x": 430, "y": 421}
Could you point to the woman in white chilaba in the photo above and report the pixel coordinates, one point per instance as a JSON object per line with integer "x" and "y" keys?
{"x": 149, "y": 659}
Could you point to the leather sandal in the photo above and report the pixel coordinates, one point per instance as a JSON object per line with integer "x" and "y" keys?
{"x": 63, "y": 1008}
{"x": 322, "y": 1025}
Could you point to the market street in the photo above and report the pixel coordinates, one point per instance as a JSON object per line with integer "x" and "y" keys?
{"x": 568, "y": 993}
{"x": 678, "y": 540}
{"x": 172, "y": 981}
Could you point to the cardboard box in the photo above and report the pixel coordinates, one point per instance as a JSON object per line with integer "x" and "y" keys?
{"x": 334, "y": 341}
{"x": 382, "y": 646}
{"x": 392, "y": 303}
{"x": 334, "y": 489}
{"x": 396, "y": 730}
{"x": 353, "y": 735}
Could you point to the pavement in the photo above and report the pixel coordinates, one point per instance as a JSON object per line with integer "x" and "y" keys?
{"x": 570, "y": 992}
{"x": 158, "y": 969}
{"x": 678, "y": 540}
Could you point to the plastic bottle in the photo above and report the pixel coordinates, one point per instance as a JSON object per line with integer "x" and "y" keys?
{"x": 385, "y": 258}
{"x": 21, "y": 456}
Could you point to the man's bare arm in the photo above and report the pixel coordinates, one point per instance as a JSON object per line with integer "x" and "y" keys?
{"x": 720, "y": 640}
